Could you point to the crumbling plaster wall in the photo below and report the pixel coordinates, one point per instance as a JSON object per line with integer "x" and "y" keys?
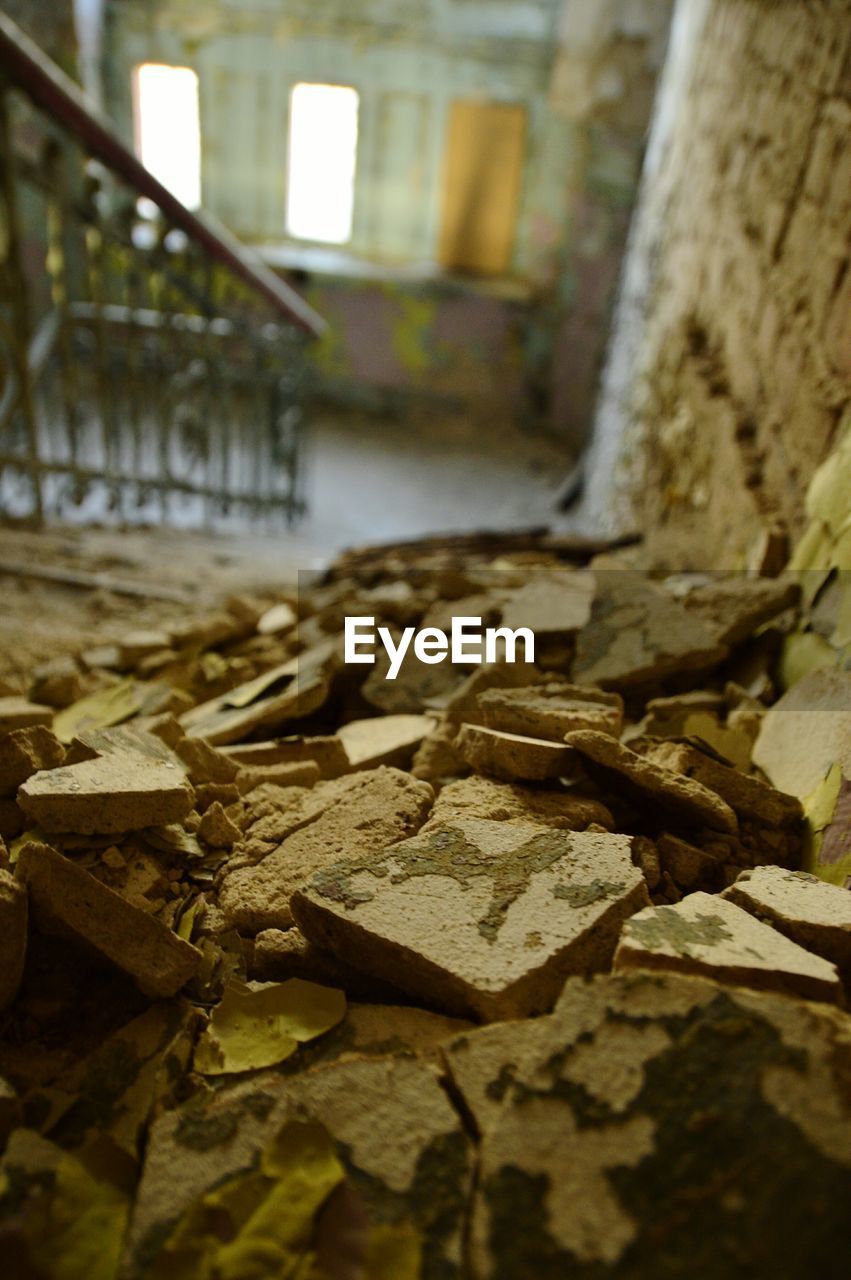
{"x": 730, "y": 369}
{"x": 586, "y": 69}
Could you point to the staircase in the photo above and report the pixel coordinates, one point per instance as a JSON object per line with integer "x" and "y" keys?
{"x": 152, "y": 368}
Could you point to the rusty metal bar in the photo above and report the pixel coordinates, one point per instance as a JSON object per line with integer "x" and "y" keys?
{"x": 24, "y": 65}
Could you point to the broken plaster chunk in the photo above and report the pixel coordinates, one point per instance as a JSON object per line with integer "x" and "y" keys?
{"x": 304, "y": 773}
{"x": 23, "y": 752}
{"x": 13, "y": 936}
{"x": 480, "y": 797}
{"x": 66, "y": 899}
{"x": 220, "y": 721}
{"x": 806, "y": 732}
{"x": 18, "y": 713}
{"x": 280, "y": 954}
{"x": 114, "y": 793}
{"x": 326, "y": 751}
{"x": 553, "y": 603}
{"x": 353, "y": 816}
{"x": 437, "y": 756}
{"x": 749, "y": 796}
{"x": 688, "y": 866}
{"x": 813, "y": 914}
{"x": 733, "y": 608}
{"x": 652, "y": 783}
{"x": 391, "y": 739}
{"x": 706, "y": 934}
{"x": 476, "y": 917}
{"x": 619, "y": 1103}
{"x": 204, "y": 763}
{"x": 512, "y": 755}
{"x": 216, "y": 828}
{"x": 639, "y": 635}
{"x": 403, "y": 1171}
{"x": 463, "y": 706}
{"x": 551, "y": 710}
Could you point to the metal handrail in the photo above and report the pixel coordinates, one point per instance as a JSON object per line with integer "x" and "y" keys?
{"x": 24, "y": 65}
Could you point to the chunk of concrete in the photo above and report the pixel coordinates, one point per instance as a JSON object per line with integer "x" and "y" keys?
{"x": 553, "y": 603}
{"x": 813, "y": 914}
{"x": 406, "y": 1173}
{"x": 749, "y": 796}
{"x": 23, "y": 752}
{"x": 18, "y": 713}
{"x": 639, "y": 635}
{"x": 512, "y": 755}
{"x": 388, "y": 740}
{"x": 806, "y": 732}
{"x": 601, "y": 1127}
{"x": 734, "y": 607}
{"x": 551, "y": 710}
{"x": 652, "y": 783}
{"x": 477, "y": 917}
{"x": 355, "y": 816}
{"x": 324, "y": 750}
{"x": 114, "y": 793}
{"x": 13, "y": 936}
{"x": 67, "y": 900}
{"x": 707, "y": 935}
{"x": 479, "y": 797}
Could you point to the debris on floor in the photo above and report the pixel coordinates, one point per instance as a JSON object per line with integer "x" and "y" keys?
{"x": 486, "y": 971}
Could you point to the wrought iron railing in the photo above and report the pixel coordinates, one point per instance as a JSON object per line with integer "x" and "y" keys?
{"x": 151, "y": 367}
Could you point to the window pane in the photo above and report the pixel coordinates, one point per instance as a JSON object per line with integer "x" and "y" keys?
{"x": 322, "y": 157}
{"x": 168, "y": 128}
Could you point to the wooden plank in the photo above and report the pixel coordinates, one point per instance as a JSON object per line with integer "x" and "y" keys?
{"x": 483, "y": 171}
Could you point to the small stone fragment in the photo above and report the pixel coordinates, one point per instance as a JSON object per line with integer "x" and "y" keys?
{"x": 639, "y": 635}
{"x": 305, "y": 773}
{"x": 707, "y": 935}
{"x": 652, "y": 783}
{"x": 813, "y": 914}
{"x": 437, "y": 757}
{"x": 280, "y": 617}
{"x": 511, "y": 755}
{"x": 601, "y": 1127}
{"x": 286, "y": 953}
{"x": 750, "y": 797}
{"x": 204, "y": 763}
{"x": 463, "y": 706}
{"x": 65, "y": 899}
{"x": 13, "y": 936}
{"x": 733, "y": 608}
{"x": 480, "y": 797}
{"x": 136, "y": 645}
{"x": 388, "y": 740}
{"x": 216, "y": 828}
{"x": 550, "y": 710}
{"x": 477, "y": 917}
{"x": 354, "y": 816}
{"x": 553, "y": 603}
{"x": 115, "y": 793}
{"x": 18, "y": 713}
{"x": 325, "y": 751}
{"x": 688, "y": 866}
{"x": 23, "y": 752}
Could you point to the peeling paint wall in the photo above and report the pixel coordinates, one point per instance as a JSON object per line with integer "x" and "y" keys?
{"x": 729, "y": 376}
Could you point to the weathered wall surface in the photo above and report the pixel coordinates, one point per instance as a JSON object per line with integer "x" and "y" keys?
{"x": 50, "y": 23}
{"x": 730, "y": 371}
{"x": 586, "y": 71}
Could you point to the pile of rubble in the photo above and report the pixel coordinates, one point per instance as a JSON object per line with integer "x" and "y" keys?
{"x": 499, "y": 971}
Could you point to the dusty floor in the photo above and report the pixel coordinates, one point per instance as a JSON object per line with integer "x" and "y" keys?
{"x": 365, "y": 481}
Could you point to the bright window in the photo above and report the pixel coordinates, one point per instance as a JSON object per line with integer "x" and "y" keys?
{"x": 168, "y": 128}
{"x": 322, "y": 157}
